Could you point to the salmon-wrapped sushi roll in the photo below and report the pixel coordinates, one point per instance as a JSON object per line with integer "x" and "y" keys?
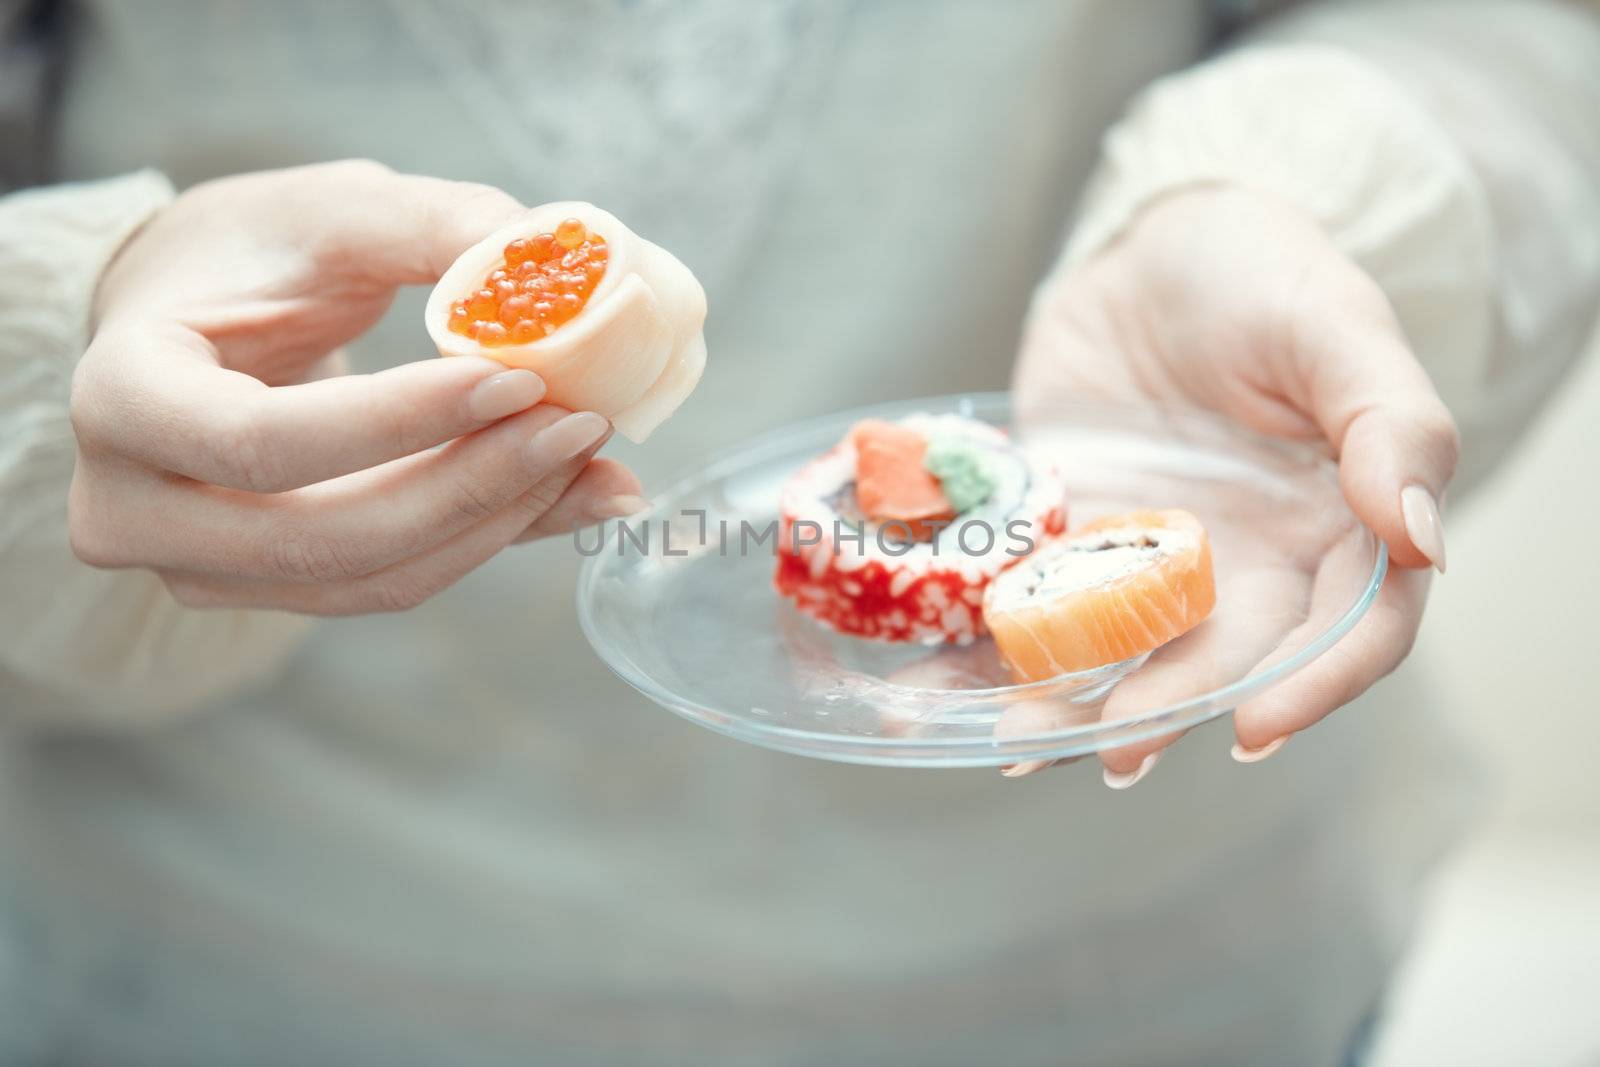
{"x": 1116, "y": 589}
{"x": 894, "y": 533}
{"x": 611, "y": 322}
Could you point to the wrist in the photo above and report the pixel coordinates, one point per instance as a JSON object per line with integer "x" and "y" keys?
{"x": 104, "y": 287}
{"x": 73, "y": 231}
{"x": 1173, "y": 245}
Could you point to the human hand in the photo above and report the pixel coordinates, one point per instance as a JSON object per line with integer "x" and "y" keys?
{"x": 220, "y": 444}
{"x": 1229, "y": 301}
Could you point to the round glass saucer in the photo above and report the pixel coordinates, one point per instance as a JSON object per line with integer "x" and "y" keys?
{"x": 679, "y": 601}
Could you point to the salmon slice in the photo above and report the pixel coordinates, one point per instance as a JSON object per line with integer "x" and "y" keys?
{"x": 1117, "y": 588}
{"x": 891, "y": 482}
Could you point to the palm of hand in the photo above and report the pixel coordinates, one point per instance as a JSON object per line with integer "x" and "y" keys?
{"x": 1224, "y": 302}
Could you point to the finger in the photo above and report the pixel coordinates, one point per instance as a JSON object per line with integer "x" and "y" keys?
{"x": 405, "y": 229}
{"x": 1374, "y": 647}
{"x": 1256, "y": 606}
{"x": 366, "y": 521}
{"x": 605, "y": 490}
{"x": 156, "y": 395}
{"x": 1032, "y": 718}
{"x": 398, "y": 588}
{"x": 1396, "y": 440}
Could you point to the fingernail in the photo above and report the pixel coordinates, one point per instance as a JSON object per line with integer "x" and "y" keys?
{"x": 1424, "y": 525}
{"x": 504, "y": 394}
{"x": 1256, "y": 755}
{"x": 1116, "y": 780}
{"x": 1025, "y": 768}
{"x": 569, "y": 438}
{"x": 621, "y": 506}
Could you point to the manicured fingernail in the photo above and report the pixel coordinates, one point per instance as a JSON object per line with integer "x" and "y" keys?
{"x": 1116, "y": 780}
{"x": 1424, "y": 525}
{"x": 504, "y": 394}
{"x": 569, "y": 438}
{"x": 1025, "y": 768}
{"x": 1256, "y": 755}
{"x": 621, "y": 506}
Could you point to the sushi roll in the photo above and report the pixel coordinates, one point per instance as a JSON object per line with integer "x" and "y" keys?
{"x": 894, "y": 533}
{"x": 611, "y": 322}
{"x": 1116, "y": 589}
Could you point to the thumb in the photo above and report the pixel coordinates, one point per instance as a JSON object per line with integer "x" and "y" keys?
{"x": 406, "y": 229}
{"x": 1396, "y": 441}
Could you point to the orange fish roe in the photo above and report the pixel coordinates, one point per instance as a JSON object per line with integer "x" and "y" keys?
{"x": 546, "y": 279}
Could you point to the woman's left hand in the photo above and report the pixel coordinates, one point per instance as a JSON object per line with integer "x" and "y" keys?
{"x": 1226, "y": 300}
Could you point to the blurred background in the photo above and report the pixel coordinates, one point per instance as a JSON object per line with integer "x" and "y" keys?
{"x": 1506, "y": 963}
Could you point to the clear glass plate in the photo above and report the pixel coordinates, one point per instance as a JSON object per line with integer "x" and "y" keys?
{"x": 686, "y": 614}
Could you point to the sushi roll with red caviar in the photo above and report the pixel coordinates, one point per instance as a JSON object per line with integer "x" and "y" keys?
{"x": 894, "y": 533}
{"x": 611, "y": 322}
{"x": 1116, "y": 589}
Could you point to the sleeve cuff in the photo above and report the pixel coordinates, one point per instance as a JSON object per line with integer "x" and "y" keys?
{"x": 81, "y": 647}
{"x": 1330, "y": 133}
{"x": 55, "y": 242}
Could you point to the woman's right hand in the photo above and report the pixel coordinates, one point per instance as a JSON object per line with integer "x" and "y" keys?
{"x": 220, "y": 445}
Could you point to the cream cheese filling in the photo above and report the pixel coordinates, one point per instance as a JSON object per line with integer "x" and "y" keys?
{"x": 1087, "y": 562}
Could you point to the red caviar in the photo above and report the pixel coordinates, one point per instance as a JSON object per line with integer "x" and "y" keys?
{"x": 545, "y": 280}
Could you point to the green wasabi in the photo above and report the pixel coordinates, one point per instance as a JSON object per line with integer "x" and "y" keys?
{"x": 962, "y": 469}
